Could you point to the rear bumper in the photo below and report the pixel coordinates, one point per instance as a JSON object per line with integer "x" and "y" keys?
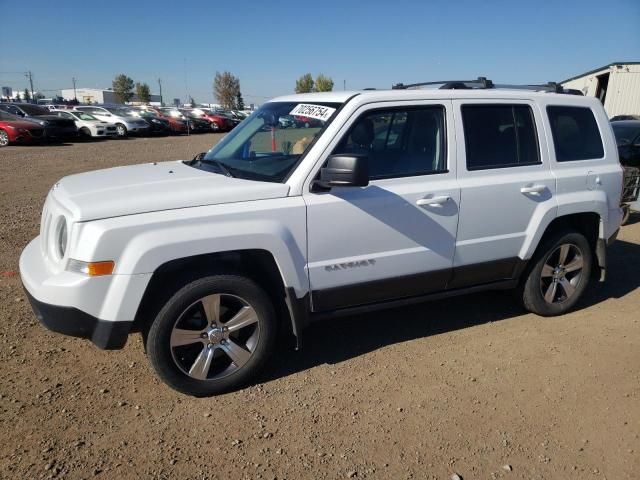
{"x": 76, "y": 323}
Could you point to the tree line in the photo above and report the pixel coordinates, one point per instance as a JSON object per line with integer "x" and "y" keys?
{"x": 226, "y": 88}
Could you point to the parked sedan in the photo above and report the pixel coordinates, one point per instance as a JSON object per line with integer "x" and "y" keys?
{"x": 54, "y": 126}
{"x": 14, "y": 129}
{"x": 125, "y": 122}
{"x": 88, "y": 125}
{"x": 197, "y": 123}
{"x": 157, "y": 124}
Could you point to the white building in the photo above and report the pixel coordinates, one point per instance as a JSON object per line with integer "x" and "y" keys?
{"x": 98, "y": 95}
{"x": 617, "y": 85}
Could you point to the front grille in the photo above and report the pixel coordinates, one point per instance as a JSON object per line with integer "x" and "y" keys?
{"x": 111, "y": 129}
{"x": 45, "y": 225}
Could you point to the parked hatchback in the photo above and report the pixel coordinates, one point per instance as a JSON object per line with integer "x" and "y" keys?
{"x": 124, "y": 121}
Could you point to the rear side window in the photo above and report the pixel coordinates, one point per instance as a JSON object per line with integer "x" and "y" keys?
{"x": 575, "y": 133}
{"x": 499, "y": 136}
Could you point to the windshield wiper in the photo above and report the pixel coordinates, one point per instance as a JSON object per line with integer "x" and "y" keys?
{"x": 224, "y": 168}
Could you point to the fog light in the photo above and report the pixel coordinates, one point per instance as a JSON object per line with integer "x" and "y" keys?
{"x": 92, "y": 269}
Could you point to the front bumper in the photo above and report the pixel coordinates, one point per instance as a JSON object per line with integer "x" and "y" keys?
{"x": 101, "y": 309}
{"x": 76, "y": 323}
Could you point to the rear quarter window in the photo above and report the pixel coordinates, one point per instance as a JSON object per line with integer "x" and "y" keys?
{"x": 575, "y": 133}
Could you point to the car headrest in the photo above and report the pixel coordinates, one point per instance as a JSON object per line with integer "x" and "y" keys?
{"x": 362, "y": 133}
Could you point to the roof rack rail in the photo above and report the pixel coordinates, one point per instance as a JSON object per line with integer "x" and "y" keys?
{"x": 482, "y": 82}
{"x": 485, "y": 83}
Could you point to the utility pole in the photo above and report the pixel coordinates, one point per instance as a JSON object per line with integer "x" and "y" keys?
{"x": 160, "y": 85}
{"x": 344, "y": 85}
{"x": 29, "y": 75}
{"x": 75, "y": 97}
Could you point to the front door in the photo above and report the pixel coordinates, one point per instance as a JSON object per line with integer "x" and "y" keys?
{"x": 396, "y": 237}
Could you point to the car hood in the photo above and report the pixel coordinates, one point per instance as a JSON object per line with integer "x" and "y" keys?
{"x": 154, "y": 187}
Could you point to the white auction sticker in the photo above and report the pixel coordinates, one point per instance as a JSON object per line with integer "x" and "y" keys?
{"x": 313, "y": 111}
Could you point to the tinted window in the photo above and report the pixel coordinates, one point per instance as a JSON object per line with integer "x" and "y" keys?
{"x": 402, "y": 142}
{"x": 575, "y": 133}
{"x": 499, "y": 136}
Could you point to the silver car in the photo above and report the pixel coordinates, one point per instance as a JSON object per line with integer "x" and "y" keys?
{"x": 125, "y": 123}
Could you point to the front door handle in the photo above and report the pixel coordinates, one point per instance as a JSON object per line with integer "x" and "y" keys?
{"x": 533, "y": 189}
{"x": 433, "y": 201}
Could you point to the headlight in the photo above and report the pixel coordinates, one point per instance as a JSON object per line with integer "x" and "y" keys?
{"x": 60, "y": 238}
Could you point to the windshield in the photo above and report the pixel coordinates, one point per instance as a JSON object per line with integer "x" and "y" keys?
{"x": 266, "y": 146}
{"x": 34, "y": 110}
{"x": 84, "y": 116}
{"x": 120, "y": 112}
{"x": 625, "y": 133}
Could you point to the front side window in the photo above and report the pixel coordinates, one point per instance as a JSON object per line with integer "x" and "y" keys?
{"x": 499, "y": 136}
{"x": 575, "y": 133}
{"x": 263, "y": 147}
{"x": 399, "y": 142}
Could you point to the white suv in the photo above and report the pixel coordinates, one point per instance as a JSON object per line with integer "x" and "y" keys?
{"x": 388, "y": 197}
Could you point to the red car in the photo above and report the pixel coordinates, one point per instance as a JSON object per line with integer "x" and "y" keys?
{"x": 176, "y": 120}
{"x": 15, "y": 130}
{"x": 219, "y": 123}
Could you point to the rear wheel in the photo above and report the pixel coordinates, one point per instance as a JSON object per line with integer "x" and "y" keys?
{"x": 85, "y": 133}
{"x": 4, "y": 138}
{"x": 559, "y": 275}
{"x": 214, "y": 335}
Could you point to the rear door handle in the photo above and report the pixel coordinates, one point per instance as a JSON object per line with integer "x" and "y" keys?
{"x": 433, "y": 201}
{"x": 534, "y": 189}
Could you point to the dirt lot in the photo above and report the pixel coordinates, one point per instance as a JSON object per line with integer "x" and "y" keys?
{"x": 471, "y": 386}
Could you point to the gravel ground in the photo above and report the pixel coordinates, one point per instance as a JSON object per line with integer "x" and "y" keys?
{"x": 472, "y": 386}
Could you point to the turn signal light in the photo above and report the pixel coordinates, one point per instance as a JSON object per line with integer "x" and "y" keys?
{"x": 93, "y": 269}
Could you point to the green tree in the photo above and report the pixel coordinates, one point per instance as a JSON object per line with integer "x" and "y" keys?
{"x": 239, "y": 101}
{"x": 26, "y": 95}
{"x": 226, "y": 88}
{"x": 323, "y": 84}
{"x": 122, "y": 88}
{"x": 304, "y": 84}
{"x": 143, "y": 92}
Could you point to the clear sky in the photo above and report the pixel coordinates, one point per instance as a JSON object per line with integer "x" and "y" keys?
{"x": 268, "y": 44}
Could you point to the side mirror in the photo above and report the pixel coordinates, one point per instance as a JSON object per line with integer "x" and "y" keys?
{"x": 345, "y": 171}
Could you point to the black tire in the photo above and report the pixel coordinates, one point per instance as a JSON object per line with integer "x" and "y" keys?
{"x": 85, "y": 133}
{"x": 121, "y": 129}
{"x": 536, "y": 284}
{"x": 170, "y": 362}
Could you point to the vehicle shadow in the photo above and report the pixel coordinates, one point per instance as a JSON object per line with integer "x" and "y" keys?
{"x": 334, "y": 341}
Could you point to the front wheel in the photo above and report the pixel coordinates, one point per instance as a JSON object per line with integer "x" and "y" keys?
{"x": 121, "y": 130}
{"x": 559, "y": 276}
{"x": 4, "y": 138}
{"x": 214, "y": 335}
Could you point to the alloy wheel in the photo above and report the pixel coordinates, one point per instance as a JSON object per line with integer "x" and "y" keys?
{"x": 561, "y": 273}
{"x": 4, "y": 139}
{"x": 214, "y": 336}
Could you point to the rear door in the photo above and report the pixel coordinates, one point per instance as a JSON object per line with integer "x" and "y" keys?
{"x": 507, "y": 187}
